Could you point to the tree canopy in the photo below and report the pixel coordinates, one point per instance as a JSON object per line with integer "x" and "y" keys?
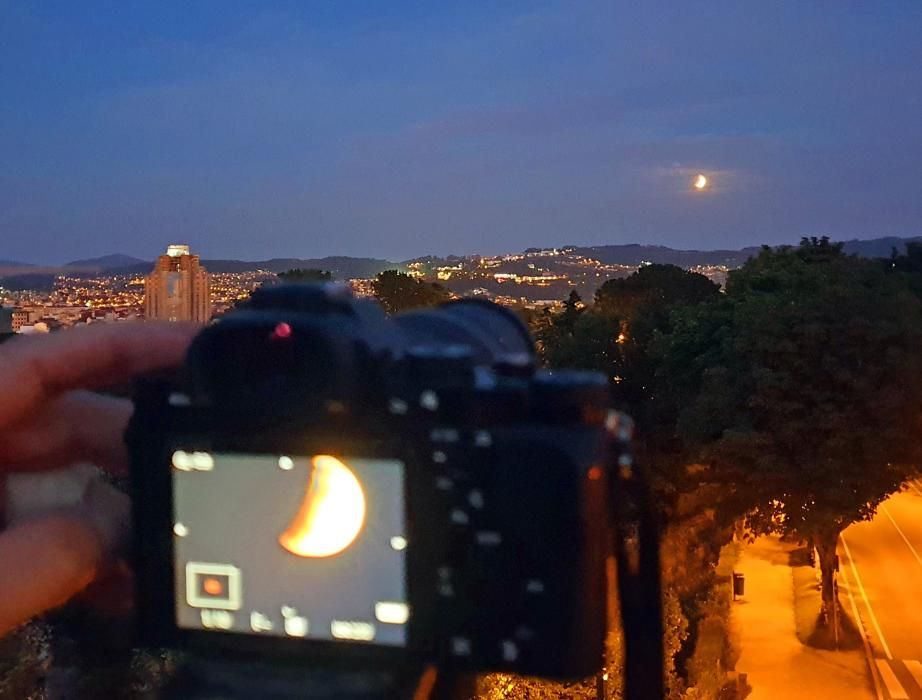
{"x": 614, "y": 334}
{"x": 802, "y": 386}
{"x": 398, "y": 291}
{"x": 792, "y": 402}
{"x": 653, "y": 286}
{"x": 301, "y": 275}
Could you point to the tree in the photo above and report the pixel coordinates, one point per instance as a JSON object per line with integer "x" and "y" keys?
{"x": 802, "y": 387}
{"x": 908, "y": 266}
{"x": 614, "y": 336}
{"x": 573, "y": 308}
{"x": 653, "y": 287}
{"x": 582, "y": 341}
{"x": 398, "y": 291}
{"x": 644, "y": 302}
{"x": 574, "y": 338}
{"x": 301, "y": 275}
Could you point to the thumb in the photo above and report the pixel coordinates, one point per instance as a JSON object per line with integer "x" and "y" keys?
{"x": 46, "y": 562}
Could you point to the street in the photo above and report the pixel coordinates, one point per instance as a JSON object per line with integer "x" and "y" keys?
{"x": 880, "y": 578}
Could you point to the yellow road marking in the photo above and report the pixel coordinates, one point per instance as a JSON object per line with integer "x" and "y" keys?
{"x": 880, "y": 635}
{"x": 905, "y": 539}
{"x": 894, "y": 687}
{"x": 869, "y": 656}
{"x": 915, "y": 668}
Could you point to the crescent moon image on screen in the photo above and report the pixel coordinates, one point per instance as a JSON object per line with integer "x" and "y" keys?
{"x": 331, "y": 514}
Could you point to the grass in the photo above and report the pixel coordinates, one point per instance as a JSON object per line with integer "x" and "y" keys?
{"x": 710, "y": 668}
{"x": 729, "y": 557}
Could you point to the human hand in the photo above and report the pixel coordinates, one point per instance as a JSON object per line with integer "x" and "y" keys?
{"x": 50, "y": 419}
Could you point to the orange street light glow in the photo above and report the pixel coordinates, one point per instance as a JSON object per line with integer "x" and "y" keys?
{"x": 332, "y": 513}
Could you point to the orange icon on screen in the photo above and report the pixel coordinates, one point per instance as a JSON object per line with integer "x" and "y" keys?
{"x": 331, "y": 514}
{"x": 213, "y": 586}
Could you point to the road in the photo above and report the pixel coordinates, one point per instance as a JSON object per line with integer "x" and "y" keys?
{"x": 880, "y": 577}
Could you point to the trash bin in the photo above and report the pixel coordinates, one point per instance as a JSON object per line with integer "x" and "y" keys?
{"x": 739, "y": 584}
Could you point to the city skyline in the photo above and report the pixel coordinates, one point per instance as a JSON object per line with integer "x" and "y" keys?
{"x": 318, "y": 129}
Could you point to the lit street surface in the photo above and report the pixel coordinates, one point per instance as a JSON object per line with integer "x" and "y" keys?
{"x": 881, "y": 576}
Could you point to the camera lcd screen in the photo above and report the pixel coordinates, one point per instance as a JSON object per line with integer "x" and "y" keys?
{"x": 303, "y": 547}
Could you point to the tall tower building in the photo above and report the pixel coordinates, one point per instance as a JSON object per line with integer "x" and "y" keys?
{"x": 178, "y": 289}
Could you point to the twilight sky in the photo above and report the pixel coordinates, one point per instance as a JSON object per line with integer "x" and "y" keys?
{"x": 395, "y": 129}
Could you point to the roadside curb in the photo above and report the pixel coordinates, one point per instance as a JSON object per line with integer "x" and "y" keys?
{"x": 868, "y": 656}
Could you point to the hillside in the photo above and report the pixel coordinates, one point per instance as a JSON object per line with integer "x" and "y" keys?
{"x": 344, "y": 267}
{"x": 107, "y": 262}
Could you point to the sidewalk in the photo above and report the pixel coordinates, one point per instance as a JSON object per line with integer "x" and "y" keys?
{"x": 777, "y": 664}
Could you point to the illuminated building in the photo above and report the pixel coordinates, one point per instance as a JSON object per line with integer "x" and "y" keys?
{"x": 178, "y": 289}
{"x": 18, "y": 319}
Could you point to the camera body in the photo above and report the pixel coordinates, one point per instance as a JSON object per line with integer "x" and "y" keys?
{"x": 322, "y": 483}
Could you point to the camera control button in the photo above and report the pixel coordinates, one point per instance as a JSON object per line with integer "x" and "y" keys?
{"x": 445, "y": 586}
{"x": 510, "y": 650}
{"x": 444, "y": 435}
{"x": 534, "y": 586}
{"x": 179, "y": 399}
{"x": 475, "y": 498}
{"x": 483, "y": 438}
{"x": 489, "y": 538}
{"x": 397, "y": 406}
{"x": 459, "y": 517}
{"x": 460, "y": 646}
{"x": 429, "y": 400}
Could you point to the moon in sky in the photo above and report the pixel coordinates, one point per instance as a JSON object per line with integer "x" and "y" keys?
{"x": 700, "y": 181}
{"x": 332, "y": 513}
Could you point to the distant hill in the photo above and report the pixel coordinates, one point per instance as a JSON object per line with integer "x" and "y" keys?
{"x": 39, "y": 282}
{"x": 634, "y": 254}
{"x": 13, "y": 263}
{"x": 342, "y": 267}
{"x": 107, "y": 262}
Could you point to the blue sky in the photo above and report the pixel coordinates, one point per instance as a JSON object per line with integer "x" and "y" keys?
{"x": 396, "y": 129}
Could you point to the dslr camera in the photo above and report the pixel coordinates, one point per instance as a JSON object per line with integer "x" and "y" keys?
{"x": 325, "y": 487}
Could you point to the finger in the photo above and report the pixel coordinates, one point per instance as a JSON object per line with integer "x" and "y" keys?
{"x": 79, "y": 491}
{"x": 42, "y": 367}
{"x": 79, "y": 426}
{"x": 112, "y": 593}
{"x": 45, "y": 563}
